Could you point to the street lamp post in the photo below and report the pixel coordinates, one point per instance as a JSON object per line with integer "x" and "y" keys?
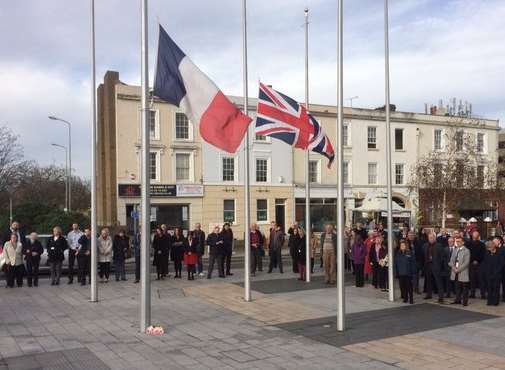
{"x": 69, "y": 125}
{"x": 66, "y": 170}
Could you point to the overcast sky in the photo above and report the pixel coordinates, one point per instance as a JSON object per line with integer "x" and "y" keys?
{"x": 439, "y": 49}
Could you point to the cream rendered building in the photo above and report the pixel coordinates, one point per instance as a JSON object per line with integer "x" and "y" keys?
{"x": 195, "y": 182}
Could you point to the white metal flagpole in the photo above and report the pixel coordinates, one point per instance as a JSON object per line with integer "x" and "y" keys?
{"x": 391, "y": 295}
{"x": 94, "y": 231}
{"x": 340, "y": 170}
{"x": 247, "y": 221}
{"x": 145, "y": 275}
{"x": 308, "y": 229}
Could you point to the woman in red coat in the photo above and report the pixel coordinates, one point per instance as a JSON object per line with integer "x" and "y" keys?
{"x": 368, "y": 244}
{"x": 191, "y": 256}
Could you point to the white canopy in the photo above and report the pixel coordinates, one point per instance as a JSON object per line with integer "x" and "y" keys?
{"x": 378, "y": 204}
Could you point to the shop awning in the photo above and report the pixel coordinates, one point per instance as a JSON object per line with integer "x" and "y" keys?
{"x": 378, "y": 204}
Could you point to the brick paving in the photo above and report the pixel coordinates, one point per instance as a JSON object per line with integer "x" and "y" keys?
{"x": 208, "y": 326}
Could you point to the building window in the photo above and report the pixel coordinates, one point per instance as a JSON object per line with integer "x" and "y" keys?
{"x": 153, "y": 165}
{"x": 182, "y": 166}
{"x": 372, "y": 137}
{"x": 399, "y": 173}
{"x": 480, "y": 176}
{"x": 398, "y": 139}
{"x": 345, "y": 134}
{"x": 480, "y": 142}
{"x": 459, "y": 141}
{"x": 260, "y": 138}
{"x": 261, "y": 210}
{"x": 437, "y": 140}
{"x": 372, "y": 173}
{"x": 153, "y": 132}
{"x": 313, "y": 171}
{"x": 346, "y": 172}
{"x": 261, "y": 170}
{"x": 229, "y": 210}
{"x": 181, "y": 126}
{"x": 228, "y": 169}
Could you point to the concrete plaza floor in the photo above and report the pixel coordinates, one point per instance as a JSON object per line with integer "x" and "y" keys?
{"x": 288, "y": 325}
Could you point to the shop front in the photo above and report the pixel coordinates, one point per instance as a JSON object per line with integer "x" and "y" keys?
{"x": 172, "y": 205}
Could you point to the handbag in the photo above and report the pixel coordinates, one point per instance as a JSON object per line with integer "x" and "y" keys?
{"x": 2, "y": 259}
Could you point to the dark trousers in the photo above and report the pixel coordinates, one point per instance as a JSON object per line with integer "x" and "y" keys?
{"x": 493, "y": 292}
{"x": 475, "y": 281}
{"x": 119, "y": 270}
{"x": 200, "y": 263}
{"x": 32, "y": 271}
{"x": 441, "y": 283}
{"x": 178, "y": 266}
{"x": 213, "y": 258}
{"x": 83, "y": 265}
{"x": 461, "y": 292}
{"x": 71, "y": 263}
{"x": 55, "y": 271}
{"x": 302, "y": 270}
{"x": 382, "y": 277}
{"x": 255, "y": 256}
{"x": 375, "y": 275}
{"x": 359, "y": 274}
{"x": 312, "y": 265}
{"x": 275, "y": 260}
{"x": 406, "y": 288}
{"x": 294, "y": 265}
{"x": 261, "y": 253}
{"x": 137, "y": 268}
{"x": 15, "y": 273}
{"x": 227, "y": 259}
{"x": 428, "y": 280}
{"x": 503, "y": 285}
{"x": 104, "y": 270}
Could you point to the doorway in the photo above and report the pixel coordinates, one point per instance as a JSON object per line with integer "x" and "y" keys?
{"x": 280, "y": 212}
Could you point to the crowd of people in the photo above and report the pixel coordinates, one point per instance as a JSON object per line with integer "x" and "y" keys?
{"x": 455, "y": 264}
{"x": 459, "y": 264}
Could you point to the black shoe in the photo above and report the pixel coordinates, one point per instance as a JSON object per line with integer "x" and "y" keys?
{"x": 53, "y": 283}
{"x": 428, "y": 297}
{"x": 136, "y": 281}
{"x": 229, "y": 274}
{"x": 70, "y": 282}
{"x": 270, "y": 271}
{"x": 35, "y": 284}
{"x": 29, "y": 285}
{"x": 441, "y": 300}
{"x": 83, "y": 283}
{"x": 57, "y": 283}
{"x": 465, "y": 304}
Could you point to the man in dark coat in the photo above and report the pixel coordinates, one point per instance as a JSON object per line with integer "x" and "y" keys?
{"x": 477, "y": 252}
{"x": 83, "y": 255}
{"x": 292, "y": 246}
{"x": 275, "y": 245}
{"x": 216, "y": 252}
{"x": 440, "y": 269}
{"x": 492, "y": 267}
{"x": 416, "y": 249}
{"x": 15, "y": 228}
{"x": 434, "y": 256}
{"x": 120, "y": 246}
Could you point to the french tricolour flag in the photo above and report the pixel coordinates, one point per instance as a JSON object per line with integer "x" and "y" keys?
{"x": 178, "y": 81}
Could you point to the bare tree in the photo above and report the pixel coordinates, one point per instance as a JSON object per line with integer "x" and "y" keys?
{"x": 12, "y": 163}
{"x": 447, "y": 174}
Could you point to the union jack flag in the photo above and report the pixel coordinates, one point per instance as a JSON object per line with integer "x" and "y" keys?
{"x": 282, "y": 118}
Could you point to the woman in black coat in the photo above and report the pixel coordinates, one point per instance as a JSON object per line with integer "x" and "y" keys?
{"x": 56, "y": 246}
{"x": 292, "y": 245}
{"x": 179, "y": 244}
{"x": 227, "y": 235}
{"x": 32, "y": 251}
{"x": 120, "y": 246}
{"x": 300, "y": 251}
{"x": 160, "y": 254}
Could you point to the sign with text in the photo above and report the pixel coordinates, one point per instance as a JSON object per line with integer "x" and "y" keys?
{"x": 161, "y": 190}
